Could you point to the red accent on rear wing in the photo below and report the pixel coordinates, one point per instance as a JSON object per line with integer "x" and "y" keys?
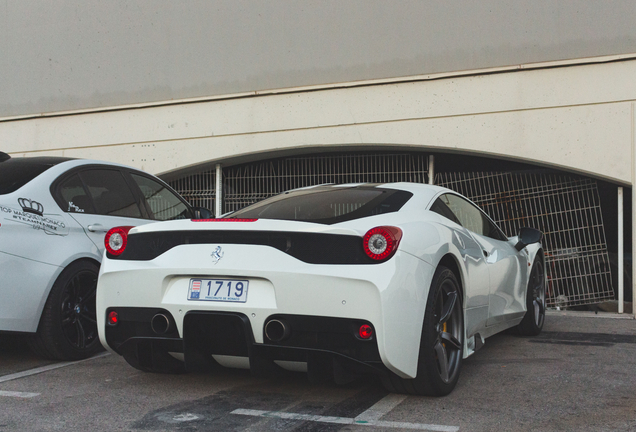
{"x": 224, "y": 220}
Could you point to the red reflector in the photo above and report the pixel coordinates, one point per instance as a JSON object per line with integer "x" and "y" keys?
{"x": 224, "y": 220}
{"x": 112, "y": 318}
{"x": 116, "y": 239}
{"x": 365, "y": 331}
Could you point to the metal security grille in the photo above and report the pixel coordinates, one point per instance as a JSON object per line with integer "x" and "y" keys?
{"x": 250, "y": 183}
{"x": 197, "y": 189}
{"x": 566, "y": 208}
{"x": 247, "y": 184}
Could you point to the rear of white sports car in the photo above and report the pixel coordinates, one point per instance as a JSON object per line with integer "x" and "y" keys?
{"x": 334, "y": 280}
{"x": 335, "y": 294}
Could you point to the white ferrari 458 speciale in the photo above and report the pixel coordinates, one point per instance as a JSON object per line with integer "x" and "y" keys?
{"x": 403, "y": 280}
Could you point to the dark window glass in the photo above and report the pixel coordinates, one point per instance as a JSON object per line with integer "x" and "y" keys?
{"x": 471, "y": 217}
{"x": 74, "y": 196}
{"x": 468, "y": 215}
{"x": 327, "y": 205}
{"x": 441, "y": 208}
{"x": 14, "y": 174}
{"x": 110, "y": 193}
{"x": 164, "y": 204}
{"x": 492, "y": 230}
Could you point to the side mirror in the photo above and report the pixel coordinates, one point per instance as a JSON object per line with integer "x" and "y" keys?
{"x": 528, "y": 236}
{"x": 202, "y": 213}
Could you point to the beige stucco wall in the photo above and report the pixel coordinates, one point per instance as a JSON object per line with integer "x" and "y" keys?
{"x": 578, "y": 118}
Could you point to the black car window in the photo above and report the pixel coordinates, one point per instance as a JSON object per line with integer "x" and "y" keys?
{"x": 163, "y": 203}
{"x": 468, "y": 215}
{"x": 492, "y": 230}
{"x": 471, "y": 217}
{"x": 110, "y": 193}
{"x": 441, "y": 208}
{"x": 74, "y": 196}
{"x": 14, "y": 175}
{"x": 327, "y": 204}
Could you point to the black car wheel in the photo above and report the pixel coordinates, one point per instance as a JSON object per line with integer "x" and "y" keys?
{"x": 68, "y": 325}
{"x": 441, "y": 346}
{"x": 534, "y": 318}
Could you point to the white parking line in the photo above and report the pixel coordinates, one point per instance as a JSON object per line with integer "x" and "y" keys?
{"x": 18, "y": 394}
{"x": 345, "y": 420}
{"x": 39, "y": 370}
{"x": 382, "y": 407}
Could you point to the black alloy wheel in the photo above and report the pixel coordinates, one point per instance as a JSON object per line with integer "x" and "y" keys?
{"x": 447, "y": 345}
{"x": 442, "y": 341}
{"x": 79, "y": 323}
{"x": 532, "y": 322}
{"x": 68, "y": 325}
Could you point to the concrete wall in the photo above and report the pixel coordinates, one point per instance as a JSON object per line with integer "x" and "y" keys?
{"x": 80, "y": 54}
{"x": 579, "y": 118}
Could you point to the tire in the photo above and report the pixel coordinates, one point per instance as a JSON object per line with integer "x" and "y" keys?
{"x": 532, "y": 322}
{"x": 68, "y": 326}
{"x": 442, "y": 341}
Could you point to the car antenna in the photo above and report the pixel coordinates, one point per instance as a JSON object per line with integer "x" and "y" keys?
{"x": 4, "y": 157}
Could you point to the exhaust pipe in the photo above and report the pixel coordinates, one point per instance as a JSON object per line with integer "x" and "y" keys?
{"x": 277, "y": 330}
{"x": 160, "y": 324}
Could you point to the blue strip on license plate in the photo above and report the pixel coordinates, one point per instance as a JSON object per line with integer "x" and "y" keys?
{"x": 224, "y": 290}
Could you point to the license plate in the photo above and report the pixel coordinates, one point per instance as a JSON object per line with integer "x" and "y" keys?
{"x": 224, "y": 290}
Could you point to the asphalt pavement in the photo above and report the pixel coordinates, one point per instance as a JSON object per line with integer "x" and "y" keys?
{"x": 578, "y": 375}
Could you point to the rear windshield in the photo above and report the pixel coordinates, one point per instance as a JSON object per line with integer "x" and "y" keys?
{"x": 327, "y": 204}
{"x": 15, "y": 173}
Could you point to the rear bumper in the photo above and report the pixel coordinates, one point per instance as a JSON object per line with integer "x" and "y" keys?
{"x": 391, "y": 296}
{"x": 317, "y": 341}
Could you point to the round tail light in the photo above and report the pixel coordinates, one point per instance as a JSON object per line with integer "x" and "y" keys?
{"x": 116, "y": 240}
{"x": 380, "y": 243}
